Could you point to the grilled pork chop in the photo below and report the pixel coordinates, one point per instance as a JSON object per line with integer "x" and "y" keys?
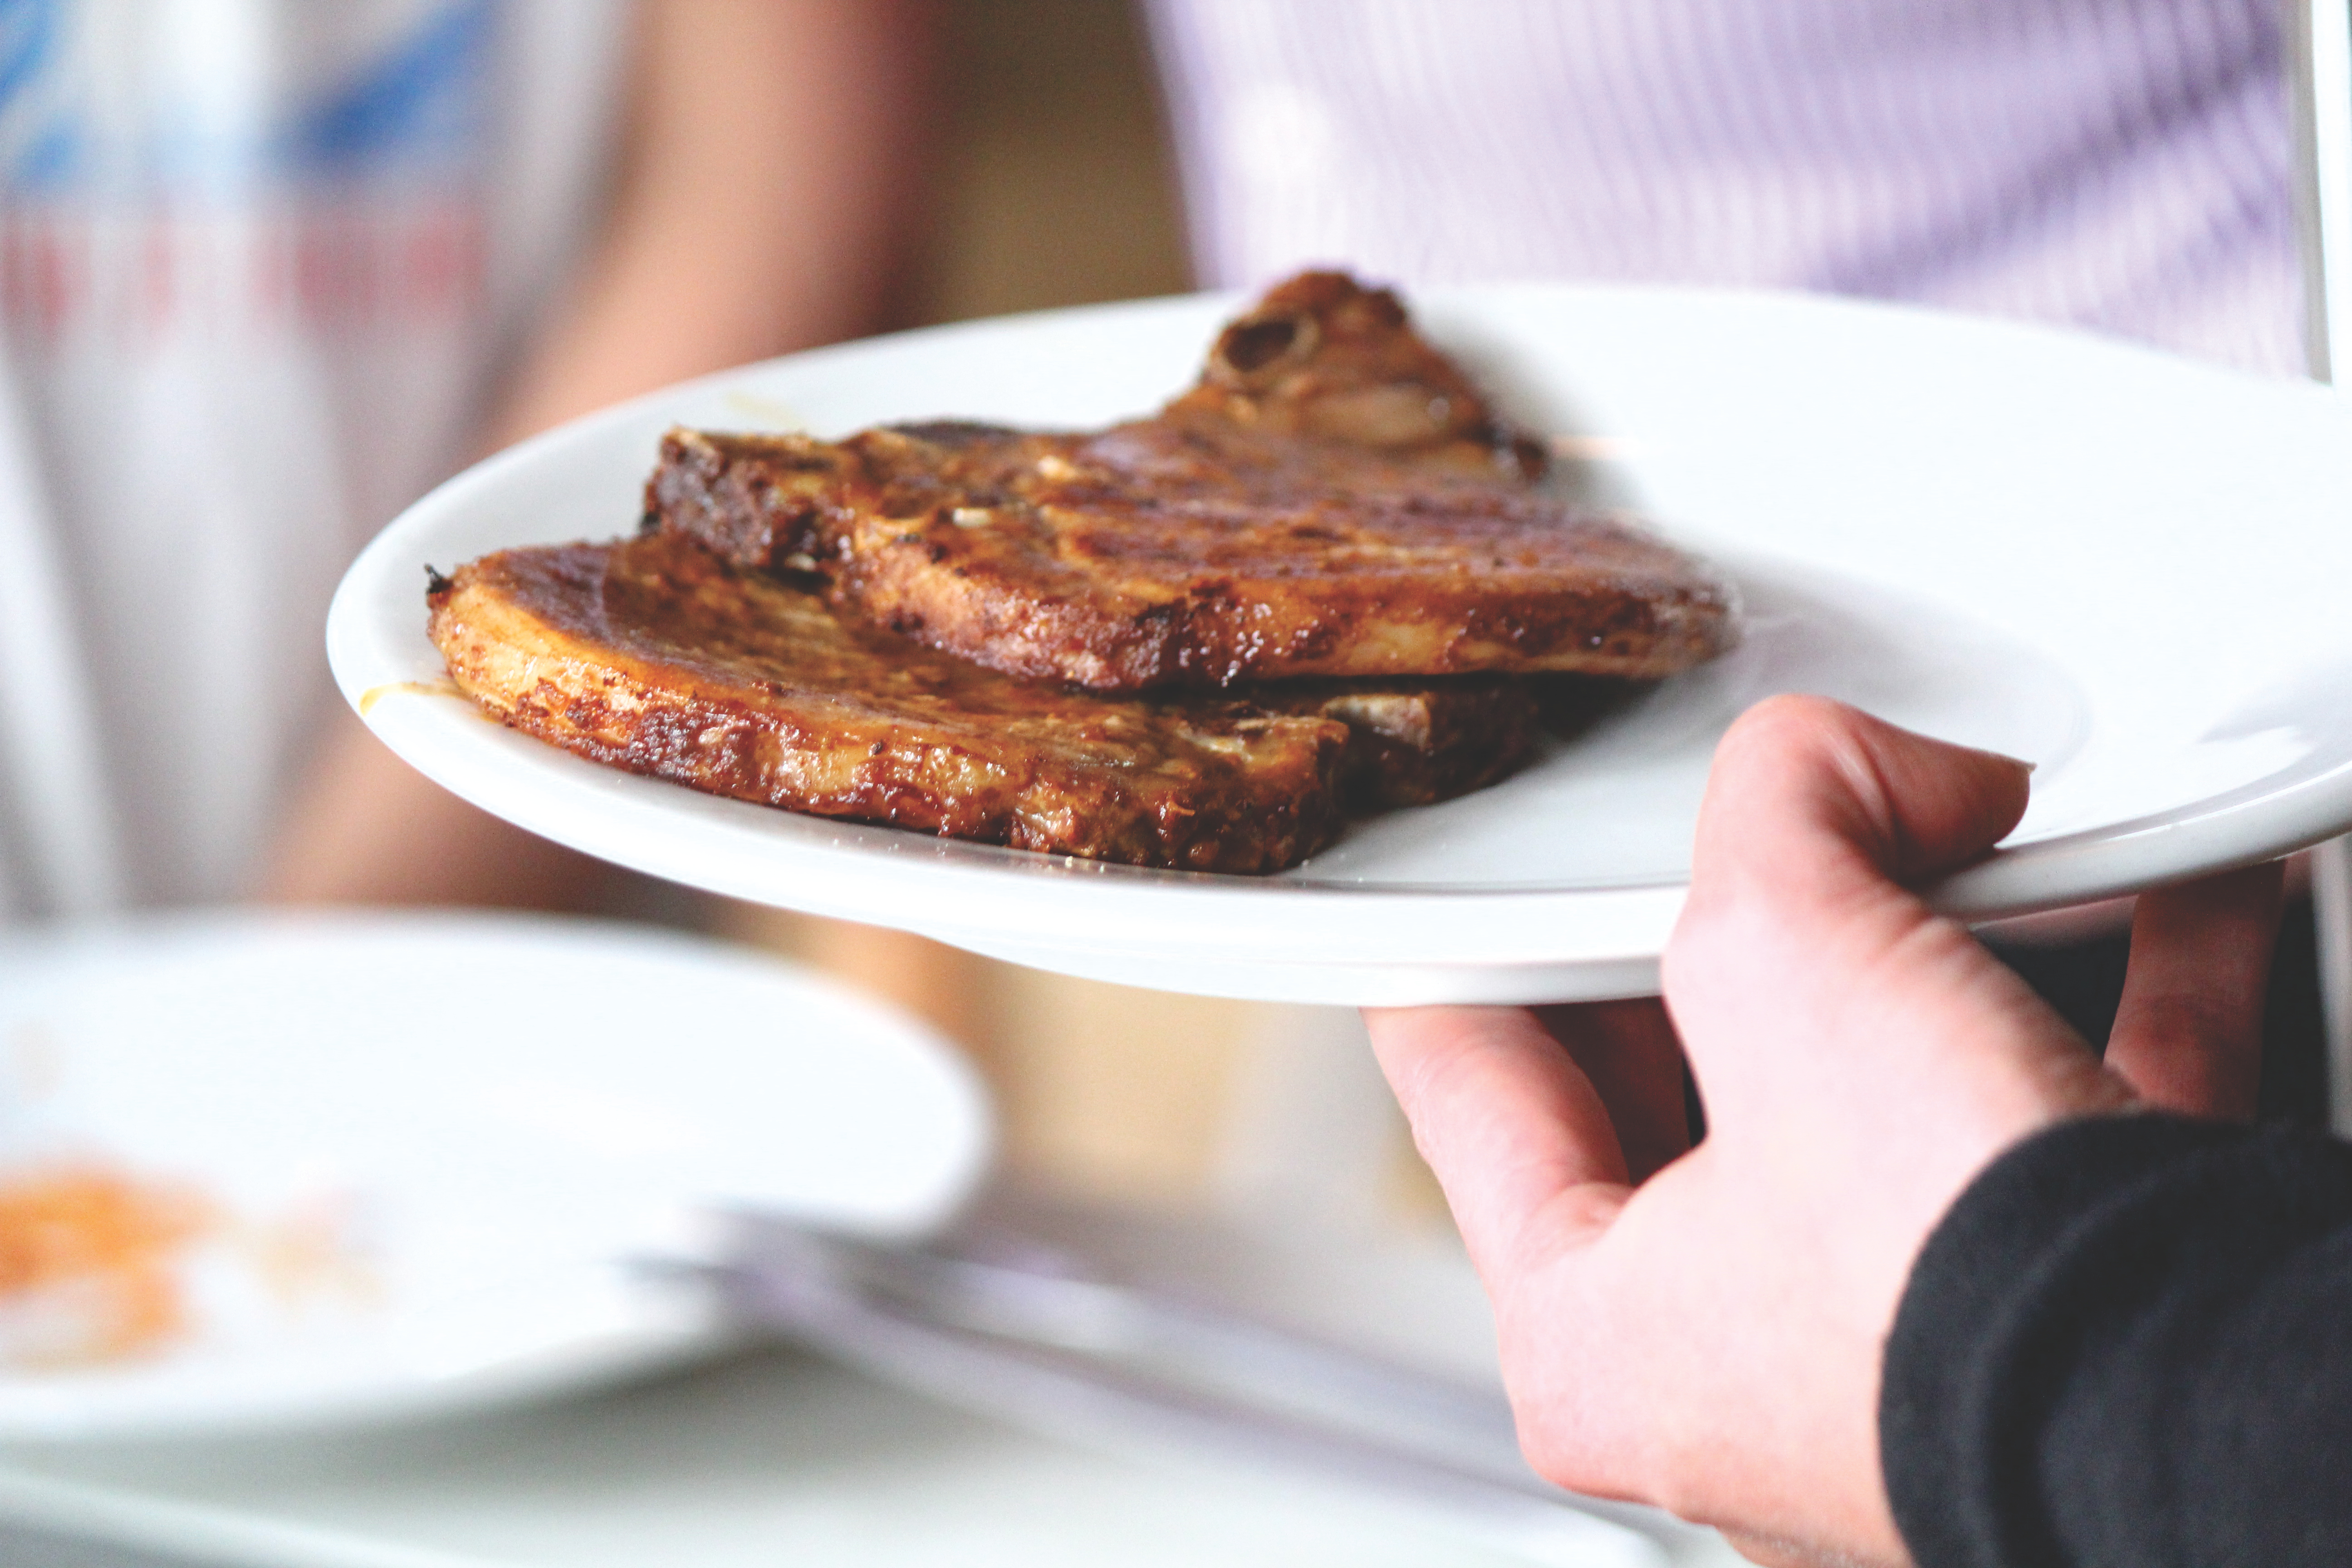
{"x": 655, "y": 656}
{"x": 1332, "y": 498}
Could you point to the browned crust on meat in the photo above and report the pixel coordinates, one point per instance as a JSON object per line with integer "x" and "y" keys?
{"x": 653, "y": 656}
{"x": 758, "y": 500}
{"x": 1274, "y": 522}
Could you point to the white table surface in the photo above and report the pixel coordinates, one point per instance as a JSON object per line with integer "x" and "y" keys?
{"x": 768, "y": 1457}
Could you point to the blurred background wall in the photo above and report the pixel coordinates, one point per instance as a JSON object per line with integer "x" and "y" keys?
{"x": 1058, "y": 187}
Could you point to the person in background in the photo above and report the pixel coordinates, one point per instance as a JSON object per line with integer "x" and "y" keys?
{"x": 267, "y": 270}
{"x": 2120, "y": 165}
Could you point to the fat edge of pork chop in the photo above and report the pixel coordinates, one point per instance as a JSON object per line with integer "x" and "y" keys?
{"x": 1332, "y": 498}
{"x": 653, "y": 656}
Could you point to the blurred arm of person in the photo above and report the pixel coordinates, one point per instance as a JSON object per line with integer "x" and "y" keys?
{"x": 1938, "y": 1284}
{"x": 771, "y": 181}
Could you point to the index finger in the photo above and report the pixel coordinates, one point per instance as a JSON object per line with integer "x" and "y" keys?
{"x": 1510, "y": 1126}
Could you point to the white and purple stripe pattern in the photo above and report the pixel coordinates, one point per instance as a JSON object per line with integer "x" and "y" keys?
{"x": 2119, "y": 164}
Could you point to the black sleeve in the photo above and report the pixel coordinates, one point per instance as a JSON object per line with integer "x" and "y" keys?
{"x": 2130, "y": 1344}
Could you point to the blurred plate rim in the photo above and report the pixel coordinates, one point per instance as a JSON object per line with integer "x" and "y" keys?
{"x": 668, "y": 1321}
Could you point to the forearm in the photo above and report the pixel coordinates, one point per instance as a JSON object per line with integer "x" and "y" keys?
{"x": 369, "y": 830}
{"x": 771, "y": 176}
{"x": 768, "y": 198}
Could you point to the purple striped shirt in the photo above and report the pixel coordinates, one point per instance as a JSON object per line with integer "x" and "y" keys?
{"x": 2118, "y": 165}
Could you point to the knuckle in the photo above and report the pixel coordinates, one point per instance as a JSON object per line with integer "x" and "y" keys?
{"x": 1794, "y": 721}
{"x": 1552, "y": 1453}
{"x": 1795, "y": 737}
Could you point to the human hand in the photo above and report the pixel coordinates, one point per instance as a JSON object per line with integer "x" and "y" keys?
{"x": 1710, "y": 1340}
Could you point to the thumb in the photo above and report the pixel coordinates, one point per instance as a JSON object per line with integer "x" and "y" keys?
{"x": 1815, "y": 816}
{"x": 1811, "y": 795}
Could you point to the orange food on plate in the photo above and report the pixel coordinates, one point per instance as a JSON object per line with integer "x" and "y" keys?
{"x": 86, "y": 1264}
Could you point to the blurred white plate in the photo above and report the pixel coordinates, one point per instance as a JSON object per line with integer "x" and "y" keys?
{"x": 436, "y": 1143}
{"x": 2126, "y": 567}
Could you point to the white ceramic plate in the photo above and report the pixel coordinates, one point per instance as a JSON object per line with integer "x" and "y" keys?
{"x": 2130, "y": 569}
{"x": 436, "y": 1146}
